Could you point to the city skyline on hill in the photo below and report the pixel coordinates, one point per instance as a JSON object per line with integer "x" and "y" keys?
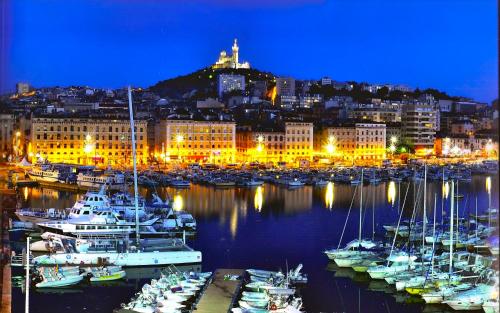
{"x": 421, "y": 45}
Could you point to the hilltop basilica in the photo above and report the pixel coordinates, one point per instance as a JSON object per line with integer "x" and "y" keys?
{"x": 230, "y": 61}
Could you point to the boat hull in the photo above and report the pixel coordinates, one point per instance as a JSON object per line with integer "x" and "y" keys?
{"x": 113, "y": 276}
{"x": 32, "y": 219}
{"x": 154, "y": 258}
{"x": 67, "y": 281}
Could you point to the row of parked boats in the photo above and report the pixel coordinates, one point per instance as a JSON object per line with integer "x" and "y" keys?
{"x": 454, "y": 263}
{"x": 174, "y": 292}
{"x": 270, "y": 291}
{"x": 64, "y": 276}
{"x": 89, "y": 177}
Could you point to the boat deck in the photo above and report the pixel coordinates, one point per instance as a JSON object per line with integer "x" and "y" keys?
{"x": 220, "y": 294}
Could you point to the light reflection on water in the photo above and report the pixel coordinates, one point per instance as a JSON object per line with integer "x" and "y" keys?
{"x": 391, "y": 193}
{"x": 229, "y": 206}
{"x": 258, "y": 199}
{"x": 265, "y": 227}
{"x": 329, "y": 195}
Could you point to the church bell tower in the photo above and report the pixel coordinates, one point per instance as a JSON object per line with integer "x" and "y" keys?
{"x": 235, "y": 52}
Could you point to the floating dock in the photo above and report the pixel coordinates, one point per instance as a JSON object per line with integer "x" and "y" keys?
{"x": 220, "y": 294}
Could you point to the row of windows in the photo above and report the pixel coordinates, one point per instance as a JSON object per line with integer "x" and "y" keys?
{"x": 297, "y": 147}
{"x": 196, "y": 130}
{"x": 44, "y": 152}
{"x": 97, "y": 146}
{"x": 222, "y": 138}
{"x": 288, "y": 131}
{"x": 84, "y": 129}
{"x": 78, "y": 137}
{"x": 201, "y": 146}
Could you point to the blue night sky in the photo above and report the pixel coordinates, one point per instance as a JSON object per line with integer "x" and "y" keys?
{"x": 446, "y": 44}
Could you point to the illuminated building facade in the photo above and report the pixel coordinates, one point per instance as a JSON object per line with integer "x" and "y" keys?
{"x": 22, "y": 88}
{"x": 291, "y": 143}
{"x": 263, "y": 146}
{"x": 419, "y": 123}
{"x": 195, "y": 141}
{"x": 228, "y": 83}
{"x": 299, "y": 141}
{"x": 356, "y": 143}
{"x": 88, "y": 140}
{"x": 378, "y": 115}
{"x": 456, "y": 146}
{"x": 230, "y": 61}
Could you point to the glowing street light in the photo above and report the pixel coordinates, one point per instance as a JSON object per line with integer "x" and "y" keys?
{"x": 179, "y": 139}
{"x": 260, "y": 145}
{"x": 394, "y": 140}
{"x": 330, "y": 146}
{"x": 88, "y": 148}
{"x": 88, "y": 145}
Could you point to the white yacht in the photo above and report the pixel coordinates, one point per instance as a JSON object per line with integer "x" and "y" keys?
{"x": 118, "y": 250}
{"x": 95, "y": 223}
{"x": 396, "y": 263}
{"x": 44, "y": 173}
{"x": 472, "y": 299}
{"x": 113, "y": 181}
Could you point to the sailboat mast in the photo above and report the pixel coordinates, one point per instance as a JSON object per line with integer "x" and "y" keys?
{"x": 425, "y": 208}
{"x": 451, "y": 226}
{"x": 373, "y": 216}
{"x": 489, "y": 207}
{"x": 476, "y": 218}
{"x": 361, "y": 207}
{"x": 442, "y": 198}
{"x": 28, "y": 278}
{"x": 136, "y": 198}
{"x": 457, "y": 224}
{"x": 434, "y": 233}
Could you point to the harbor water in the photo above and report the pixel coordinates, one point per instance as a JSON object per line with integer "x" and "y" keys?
{"x": 272, "y": 227}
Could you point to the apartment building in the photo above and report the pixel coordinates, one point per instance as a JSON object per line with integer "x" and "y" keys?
{"x": 195, "y": 141}
{"x": 98, "y": 141}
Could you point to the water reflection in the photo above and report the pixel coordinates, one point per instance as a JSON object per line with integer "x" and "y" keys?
{"x": 25, "y": 193}
{"x": 391, "y": 193}
{"x": 329, "y": 195}
{"x": 488, "y": 184}
{"x": 446, "y": 189}
{"x": 178, "y": 203}
{"x": 234, "y": 221}
{"x": 258, "y": 199}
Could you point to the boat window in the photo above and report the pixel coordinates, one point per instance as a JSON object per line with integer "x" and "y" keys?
{"x": 86, "y": 213}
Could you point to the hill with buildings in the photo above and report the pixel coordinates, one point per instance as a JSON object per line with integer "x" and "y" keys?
{"x": 203, "y": 83}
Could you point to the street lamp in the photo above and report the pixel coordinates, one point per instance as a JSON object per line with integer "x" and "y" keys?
{"x": 88, "y": 146}
{"x": 330, "y": 146}
{"x": 394, "y": 140}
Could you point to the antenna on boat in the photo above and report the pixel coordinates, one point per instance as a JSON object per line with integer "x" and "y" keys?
{"x": 136, "y": 198}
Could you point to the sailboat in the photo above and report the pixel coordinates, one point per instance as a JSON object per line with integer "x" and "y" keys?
{"x": 355, "y": 250}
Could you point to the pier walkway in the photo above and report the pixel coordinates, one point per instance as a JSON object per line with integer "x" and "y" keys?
{"x": 220, "y": 293}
